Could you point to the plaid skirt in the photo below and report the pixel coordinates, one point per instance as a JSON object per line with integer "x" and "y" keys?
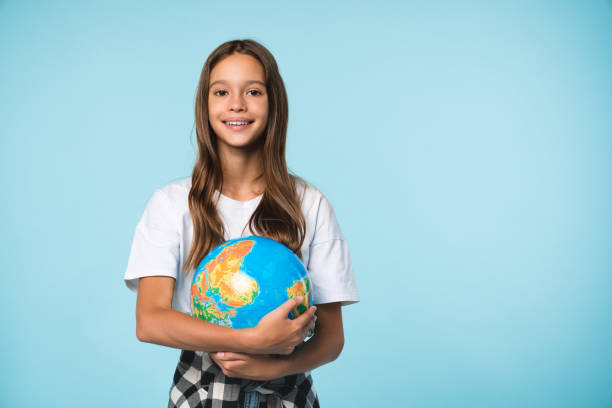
{"x": 200, "y": 383}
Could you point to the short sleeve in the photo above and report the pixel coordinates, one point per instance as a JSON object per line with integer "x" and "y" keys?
{"x": 155, "y": 248}
{"x": 329, "y": 263}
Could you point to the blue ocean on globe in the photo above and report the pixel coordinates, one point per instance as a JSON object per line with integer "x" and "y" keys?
{"x": 243, "y": 279}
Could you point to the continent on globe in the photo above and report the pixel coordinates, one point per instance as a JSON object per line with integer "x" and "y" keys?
{"x": 241, "y": 280}
{"x": 224, "y": 278}
{"x": 300, "y": 288}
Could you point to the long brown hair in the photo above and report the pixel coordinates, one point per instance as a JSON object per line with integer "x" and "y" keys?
{"x": 278, "y": 215}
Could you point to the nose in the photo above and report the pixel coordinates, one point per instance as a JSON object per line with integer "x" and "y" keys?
{"x": 237, "y": 103}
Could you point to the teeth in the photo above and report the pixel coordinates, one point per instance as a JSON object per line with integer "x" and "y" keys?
{"x": 237, "y": 123}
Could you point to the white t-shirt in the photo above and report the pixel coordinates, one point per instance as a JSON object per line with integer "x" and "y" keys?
{"x": 164, "y": 235}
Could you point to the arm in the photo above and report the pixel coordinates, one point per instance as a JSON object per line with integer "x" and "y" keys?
{"x": 158, "y": 323}
{"x": 324, "y": 347}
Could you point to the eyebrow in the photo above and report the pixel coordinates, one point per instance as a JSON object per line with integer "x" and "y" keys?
{"x": 221, "y": 81}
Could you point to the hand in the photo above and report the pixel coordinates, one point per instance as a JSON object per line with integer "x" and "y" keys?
{"x": 249, "y": 366}
{"x": 277, "y": 334}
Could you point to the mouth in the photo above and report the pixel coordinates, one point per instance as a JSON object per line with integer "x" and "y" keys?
{"x": 238, "y": 125}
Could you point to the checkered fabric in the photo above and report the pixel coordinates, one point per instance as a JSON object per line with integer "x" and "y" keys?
{"x": 200, "y": 383}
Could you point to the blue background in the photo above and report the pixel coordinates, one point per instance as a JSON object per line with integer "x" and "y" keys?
{"x": 465, "y": 146}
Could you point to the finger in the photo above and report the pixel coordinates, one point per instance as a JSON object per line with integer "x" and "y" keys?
{"x": 216, "y": 360}
{"x": 288, "y": 350}
{"x": 231, "y": 356}
{"x": 289, "y": 305}
{"x": 304, "y": 318}
{"x": 303, "y": 334}
{"x": 311, "y": 327}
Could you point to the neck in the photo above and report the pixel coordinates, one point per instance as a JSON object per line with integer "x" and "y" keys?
{"x": 242, "y": 172}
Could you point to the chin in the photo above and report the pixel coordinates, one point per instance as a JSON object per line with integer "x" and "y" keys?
{"x": 241, "y": 143}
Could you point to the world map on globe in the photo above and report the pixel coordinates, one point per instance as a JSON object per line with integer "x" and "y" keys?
{"x": 241, "y": 280}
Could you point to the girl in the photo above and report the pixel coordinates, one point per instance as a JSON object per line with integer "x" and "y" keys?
{"x": 240, "y": 186}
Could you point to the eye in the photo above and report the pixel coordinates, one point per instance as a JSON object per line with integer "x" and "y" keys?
{"x": 221, "y": 90}
{"x": 255, "y": 90}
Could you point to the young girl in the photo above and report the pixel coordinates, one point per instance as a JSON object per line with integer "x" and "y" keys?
{"x": 240, "y": 186}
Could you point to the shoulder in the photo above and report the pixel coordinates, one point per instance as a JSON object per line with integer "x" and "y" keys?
{"x": 170, "y": 200}
{"x": 176, "y": 192}
{"x": 177, "y": 188}
{"x": 309, "y": 195}
{"x": 321, "y": 221}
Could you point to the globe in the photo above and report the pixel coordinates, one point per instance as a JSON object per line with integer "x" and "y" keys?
{"x": 243, "y": 279}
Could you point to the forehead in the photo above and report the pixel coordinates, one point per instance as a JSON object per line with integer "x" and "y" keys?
{"x": 237, "y": 69}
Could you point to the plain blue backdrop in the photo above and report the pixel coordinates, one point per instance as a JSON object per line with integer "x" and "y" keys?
{"x": 466, "y": 148}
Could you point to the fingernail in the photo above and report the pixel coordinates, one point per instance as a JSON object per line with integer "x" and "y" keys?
{"x": 220, "y": 354}
{"x": 299, "y": 299}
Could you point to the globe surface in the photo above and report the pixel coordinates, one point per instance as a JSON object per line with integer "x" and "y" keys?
{"x": 243, "y": 279}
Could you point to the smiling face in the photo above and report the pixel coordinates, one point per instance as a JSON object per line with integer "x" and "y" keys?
{"x": 237, "y": 101}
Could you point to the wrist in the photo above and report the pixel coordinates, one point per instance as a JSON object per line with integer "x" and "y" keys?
{"x": 246, "y": 341}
